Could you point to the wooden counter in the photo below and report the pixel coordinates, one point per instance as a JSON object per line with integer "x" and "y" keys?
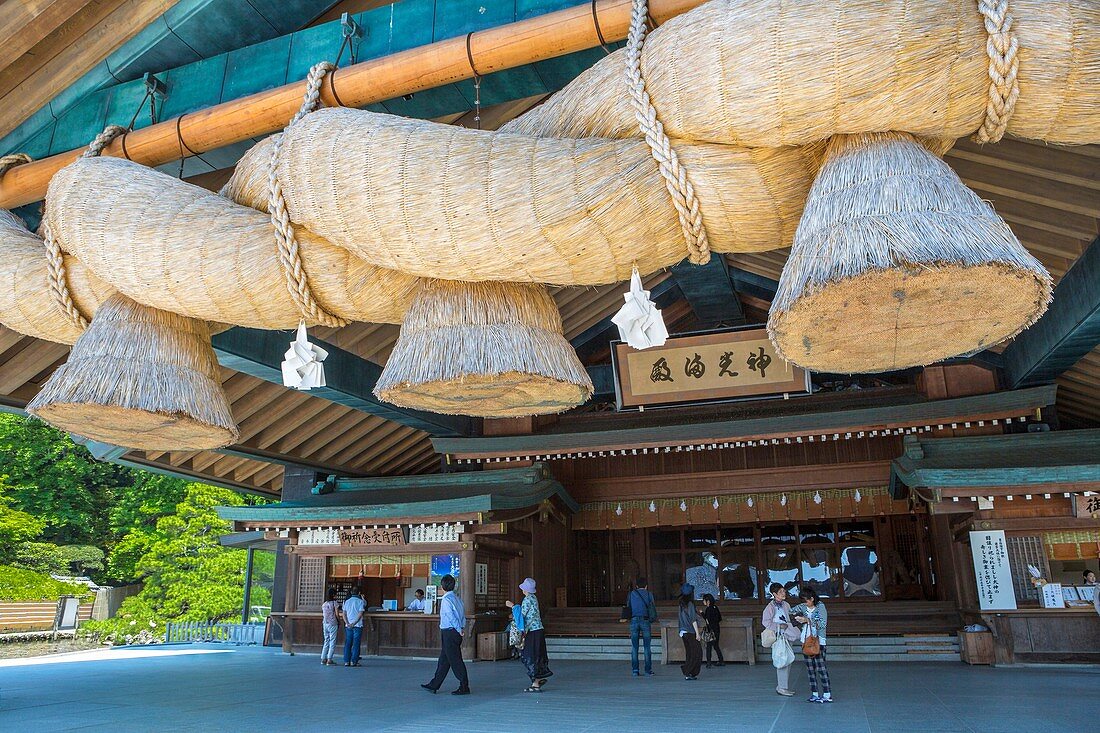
{"x": 385, "y": 633}
{"x": 736, "y": 641}
{"x": 402, "y": 634}
{"x": 1043, "y": 634}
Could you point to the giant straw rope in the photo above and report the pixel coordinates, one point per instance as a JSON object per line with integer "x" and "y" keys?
{"x": 712, "y": 137}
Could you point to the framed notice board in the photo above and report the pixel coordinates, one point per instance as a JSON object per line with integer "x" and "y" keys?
{"x": 728, "y": 364}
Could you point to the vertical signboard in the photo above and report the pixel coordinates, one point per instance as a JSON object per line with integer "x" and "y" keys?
{"x": 992, "y": 571}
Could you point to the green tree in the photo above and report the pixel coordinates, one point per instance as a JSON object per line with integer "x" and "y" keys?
{"x": 16, "y": 527}
{"x": 187, "y": 575}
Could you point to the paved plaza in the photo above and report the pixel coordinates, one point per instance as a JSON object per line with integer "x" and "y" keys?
{"x": 212, "y": 688}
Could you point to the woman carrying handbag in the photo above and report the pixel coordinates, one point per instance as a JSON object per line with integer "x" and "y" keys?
{"x": 777, "y": 620}
{"x": 812, "y": 615}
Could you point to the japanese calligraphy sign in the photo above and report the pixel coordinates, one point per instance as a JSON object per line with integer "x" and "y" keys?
{"x": 1087, "y": 506}
{"x": 363, "y": 537}
{"x": 992, "y": 571}
{"x": 720, "y": 365}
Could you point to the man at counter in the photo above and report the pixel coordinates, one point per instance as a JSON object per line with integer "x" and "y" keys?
{"x": 353, "y": 610}
{"x": 452, "y": 625}
{"x": 417, "y": 603}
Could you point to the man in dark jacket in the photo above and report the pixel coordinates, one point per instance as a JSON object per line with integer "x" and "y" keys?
{"x": 643, "y": 613}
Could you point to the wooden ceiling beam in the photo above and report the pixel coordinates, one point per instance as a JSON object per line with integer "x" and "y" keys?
{"x": 353, "y": 452}
{"x": 310, "y": 443}
{"x": 84, "y": 40}
{"x": 28, "y": 362}
{"x": 314, "y": 412}
{"x": 377, "y": 460}
{"x": 24, "y": 23}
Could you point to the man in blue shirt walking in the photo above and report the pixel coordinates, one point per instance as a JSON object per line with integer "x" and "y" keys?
{"x": 452, "y": 625}
{"x": 643, "y": 612}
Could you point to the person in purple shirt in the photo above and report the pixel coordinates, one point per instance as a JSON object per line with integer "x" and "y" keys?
{"x": 452, "y": 626}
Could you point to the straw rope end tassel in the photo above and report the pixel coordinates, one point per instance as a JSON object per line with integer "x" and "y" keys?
{"x": 140, "y": 378}
{"x": 896, "y": 263}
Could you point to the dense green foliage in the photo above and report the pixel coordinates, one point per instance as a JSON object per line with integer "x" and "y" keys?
{"x": 64, "y": 513}
{"x": 20, "y": 585}
{"x": 188, "y": 576}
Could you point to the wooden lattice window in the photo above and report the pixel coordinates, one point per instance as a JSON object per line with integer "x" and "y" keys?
{"x": 311, "y": 582}
{"x": 1024, "y": 551}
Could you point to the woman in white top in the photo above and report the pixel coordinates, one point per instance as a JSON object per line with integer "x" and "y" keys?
{"x": 330, "y": 624}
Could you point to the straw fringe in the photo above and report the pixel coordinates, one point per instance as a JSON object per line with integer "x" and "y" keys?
{"x": 885, "y": 221}
{"x": 484, "y": 349}
{"x": 140, "y": 378}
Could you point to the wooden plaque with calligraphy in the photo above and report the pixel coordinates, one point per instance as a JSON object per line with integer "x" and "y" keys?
{"x": 392, "y": 537}
{"x": 704, "y": 367}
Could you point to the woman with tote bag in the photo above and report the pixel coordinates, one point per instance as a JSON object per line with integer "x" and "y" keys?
{"x": 777, "y": 619}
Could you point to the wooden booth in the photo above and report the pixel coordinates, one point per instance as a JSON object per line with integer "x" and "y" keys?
{"x": 392, "y": 536}
{"x": 1024, "y": 518}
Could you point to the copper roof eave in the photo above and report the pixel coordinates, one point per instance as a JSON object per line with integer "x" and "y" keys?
{"x": 940, "y": 413}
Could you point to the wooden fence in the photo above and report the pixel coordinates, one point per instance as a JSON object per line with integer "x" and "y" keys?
{"x": 35, "y": 616}
{"x": 217, "y": 631}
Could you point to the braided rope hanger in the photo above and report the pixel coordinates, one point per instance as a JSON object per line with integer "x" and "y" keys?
{"x": 676, "y": 179}
{"x": 58, "y": 279}
{"x": 297, "y": 281}
{"x": 1004, "y": 86}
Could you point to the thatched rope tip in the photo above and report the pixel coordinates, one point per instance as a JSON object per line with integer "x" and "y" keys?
{"x": 897, "y": 264}
{"x": 484, "y": 349}
{"x": 140, "y": 378}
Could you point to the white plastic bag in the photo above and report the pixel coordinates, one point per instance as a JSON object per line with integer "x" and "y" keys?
{"x": 782, "y": 653}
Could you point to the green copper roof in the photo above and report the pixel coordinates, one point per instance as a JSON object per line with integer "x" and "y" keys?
{"x": 1026, "y": 459}
{"x": 413, "y": 496}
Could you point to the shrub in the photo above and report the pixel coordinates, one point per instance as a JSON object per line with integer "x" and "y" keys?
{"x": 22, "y": 585}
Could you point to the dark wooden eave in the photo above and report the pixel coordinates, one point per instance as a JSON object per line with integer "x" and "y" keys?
{"x": 808, "y": 426}
{"x": 1060, "y": 461}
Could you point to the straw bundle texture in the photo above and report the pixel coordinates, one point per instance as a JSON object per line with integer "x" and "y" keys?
{"x": 26, "y": 304}
{"x": 176, "y": 247}
{"x": 766, "y": 73}
{"x": 140, "y": 378}
{"x": 439, "y": 200}
{"x": 897, "y": 264}
{"x": 483, "y": 349}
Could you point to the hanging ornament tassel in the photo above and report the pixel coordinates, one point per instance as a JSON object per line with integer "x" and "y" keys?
{"x": 639, "y": 321}
{"x": 302, "y": 363}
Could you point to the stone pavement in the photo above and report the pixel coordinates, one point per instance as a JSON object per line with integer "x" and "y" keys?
{"x": 242, "y": 689}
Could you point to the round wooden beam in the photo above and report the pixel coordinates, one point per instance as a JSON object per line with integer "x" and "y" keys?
{"x": 493, "y": 49}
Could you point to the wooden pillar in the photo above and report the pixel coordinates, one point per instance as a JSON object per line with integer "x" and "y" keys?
{"x": 466, "y": 562}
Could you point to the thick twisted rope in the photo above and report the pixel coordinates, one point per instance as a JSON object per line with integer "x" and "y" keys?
{"x": 297, "y": 282}
{"x": 55, "y": 259}
{"x": 1004, "y": 86}
{"x": 676, "y": 179}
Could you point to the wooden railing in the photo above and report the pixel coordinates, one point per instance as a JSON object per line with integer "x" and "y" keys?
{"x": 35, "y": 616}
{"x": 214, "y": 631}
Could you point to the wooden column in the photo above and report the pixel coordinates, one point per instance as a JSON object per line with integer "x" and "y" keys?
{"x": 466, "y": 562}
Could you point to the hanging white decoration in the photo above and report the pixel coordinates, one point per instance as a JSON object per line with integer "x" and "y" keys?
{"x": 859, "y": 496}
{"x": 683, "y": 505}
{"x": 750, "y": 502}
{"x": 619, "y": 510}
{"x": 639, "y": 321}
{"x": 817, "y": 497}
{"x": 302, "y": 362}
{"x": 783, "y": 500}
{"x": 716, "y": 502}
{"x": 652, "y": 506}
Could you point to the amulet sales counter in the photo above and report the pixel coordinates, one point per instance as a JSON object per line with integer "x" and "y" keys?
{"x": 388, "y": 537}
